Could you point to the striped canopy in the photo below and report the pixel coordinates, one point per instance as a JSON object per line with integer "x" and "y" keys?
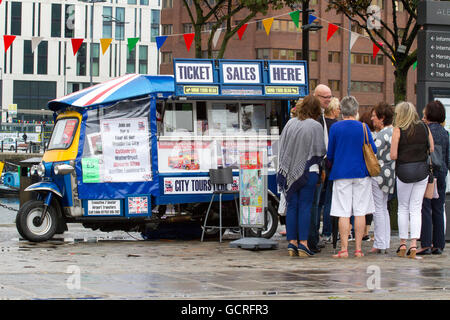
{"x": 125, "y": 87}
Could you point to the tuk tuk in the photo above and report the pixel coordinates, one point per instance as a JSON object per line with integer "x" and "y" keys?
{"x": 134, "y": 152}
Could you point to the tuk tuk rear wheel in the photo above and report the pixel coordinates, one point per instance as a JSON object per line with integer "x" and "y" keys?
{"x": 28, "y": 222}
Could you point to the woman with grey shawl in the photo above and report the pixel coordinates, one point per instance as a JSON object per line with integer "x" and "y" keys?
{"x": 302, "y": 148}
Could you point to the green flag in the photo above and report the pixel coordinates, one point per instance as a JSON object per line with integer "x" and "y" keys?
{"x": 132, "y": 43}
{"x": 295, "y": 16}
{"x": 415, "y": 65}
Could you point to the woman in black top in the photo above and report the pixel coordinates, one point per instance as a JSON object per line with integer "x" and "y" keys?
{"x": 432, "y": 236}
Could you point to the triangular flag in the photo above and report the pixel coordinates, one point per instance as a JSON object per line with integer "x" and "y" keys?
{"x": 160, "y": 41}
{"x": 76, "y": 44}
{"x": 331, "y": 30}
{"x": 376, "y": 49}
{"x": 311, "y": 19}
{"x": 132, "y": 43}
{"x": 35, "y": 42}
{"x": 216, "y": 37}
{"x": 353, "y": 37}
{"x": 7, "y": 41}
{"x": 2, "y": 164}
{"x": 188, "y": 38}
{"x": 295, "y": 16}
{"x": 415, "y": 65}
{"x": 241, "y": 31}
{"x": 267, "y": 23}
{"x": 105, "y": 42}
{"x": 0, "y": 1}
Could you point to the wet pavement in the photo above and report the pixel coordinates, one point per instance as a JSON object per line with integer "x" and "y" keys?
{"x": 86, "y": 264}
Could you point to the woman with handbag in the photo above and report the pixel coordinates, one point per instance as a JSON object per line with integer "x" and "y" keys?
{"x": 409, "y": 148}
{"x": 352, "y": 186}
{"x": 432, "y": 236}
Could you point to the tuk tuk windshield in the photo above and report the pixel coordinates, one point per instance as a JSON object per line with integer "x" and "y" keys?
{"x": 63, "y": 133}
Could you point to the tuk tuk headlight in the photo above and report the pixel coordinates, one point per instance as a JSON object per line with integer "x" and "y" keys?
{"x": 33, "y": 170}
{"x": 41, "y": 170}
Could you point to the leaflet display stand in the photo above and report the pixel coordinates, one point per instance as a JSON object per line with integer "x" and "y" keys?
{"x": 253, "y": 199}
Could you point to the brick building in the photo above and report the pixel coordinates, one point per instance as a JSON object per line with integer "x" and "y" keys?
{"x": 372, "y": 80}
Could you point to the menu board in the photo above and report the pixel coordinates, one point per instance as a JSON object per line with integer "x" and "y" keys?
{"x": 126, "y": 150}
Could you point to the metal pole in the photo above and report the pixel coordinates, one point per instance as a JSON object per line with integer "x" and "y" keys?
{"x": 349, "y": 68}
{"x": 92, "y": 41}
{"x": 305, "y": 33}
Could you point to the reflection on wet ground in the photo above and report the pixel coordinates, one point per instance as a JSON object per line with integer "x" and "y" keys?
{"x": 119, "y": 265}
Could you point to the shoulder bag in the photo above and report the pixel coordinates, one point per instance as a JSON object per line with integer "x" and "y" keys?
{"x": 432, "y": 181}
{"x": 369, "y": 156}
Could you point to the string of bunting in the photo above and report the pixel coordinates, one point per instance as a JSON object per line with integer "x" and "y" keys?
{"x": 267, "y": 24}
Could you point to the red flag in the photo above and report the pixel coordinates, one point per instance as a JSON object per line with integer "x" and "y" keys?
{"x": 376, "y": 48}
{"x": 331, "y": 30}
{"x": 241, "y": 31}
{"x": 7, "y": 41}
{"x": 188, "y": 38}
{"x": 76, "y": 44}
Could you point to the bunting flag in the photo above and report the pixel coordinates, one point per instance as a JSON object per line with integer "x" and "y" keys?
{"x": 415, "y": 65}
{"x": 35, "y": 42}
{"x": 216, "y": 37}
{"x": 2, "y": 164}
{"x": 105, "y": 42}
{"x": 241, "y": 31}
{"x": 311, "y": 19}
{"x": 188, "y": 38}
{"x": 132, "y": 43}
{"x": 0, "y": 1}
{"x": 295, "y": 16}
{"x": 267, "y": 23}
{"x": 7, "y": 41}
{"x": 376, "y": 48}
{"x": 160, "y": 41}
{"x": 332, "y": 28}
{"x": 353, "y": 37}
{"x": 76, "y": 44}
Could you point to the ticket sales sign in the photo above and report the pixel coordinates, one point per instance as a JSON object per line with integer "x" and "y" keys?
{"x": 196, "y": 77}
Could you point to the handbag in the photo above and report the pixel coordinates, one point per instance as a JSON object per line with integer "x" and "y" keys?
{"x": 369, "y": 156}
{"x": 411, "y": 172}
{"x": 432, "y": 181}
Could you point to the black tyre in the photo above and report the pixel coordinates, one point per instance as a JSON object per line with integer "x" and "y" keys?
{"x": 27, "y": 222}
{"x": 272, "y": 225}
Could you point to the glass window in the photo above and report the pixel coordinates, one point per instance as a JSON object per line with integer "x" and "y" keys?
{"x": 28, "y": 58}
{"x": 131, "y": 1}
{"x": 166, "y": 29}
{"x": 284, "y": 25}
{"x": 56, "y": 20}
{"x": 33, "y": 94}
{"x": 81, "y": 60}
{"x": 42, "y": 57}
{"x": 107, "y": 22}
{"x": 63, "y": 134}
{"x": 275, "y": 54}
{"x": 16, "y": 18}
{"x": 224, "y": 117}
{"x": 167, "y": 4}
{"x": 144, "y": 2}
{"x": 187, "y": 28}
{"x": 69, "y": 20}
{"x": 120, "y": 27}
{"x": 95, "y": 51}
{"x": 155, "y": 24}
{"x": 166, "y": 57}
{"x": 253, "y": 118}
{"x": 275, "y": 25}
{"x": 313, "y": 55}
{"x": 179, "y": 118}
{"x": 262, "y": 54}
{"x": 366, "y": 59}
{"x": 131, "y": 61}
{"x": 143, "y": 59}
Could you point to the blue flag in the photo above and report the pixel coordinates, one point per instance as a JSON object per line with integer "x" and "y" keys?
{"x": 311, "y": 19}
{"x": 160, "y": 41}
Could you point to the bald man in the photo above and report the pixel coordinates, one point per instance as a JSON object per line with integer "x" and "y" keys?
{"x": 322, "y": 92}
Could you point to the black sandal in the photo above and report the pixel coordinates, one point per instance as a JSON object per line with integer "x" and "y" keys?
{"x": 412, "y": 253}
{"x": 401, "y": 252}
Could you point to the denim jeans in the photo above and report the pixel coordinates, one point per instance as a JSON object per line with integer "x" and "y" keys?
{"x": 298, "y": 214}
{"x": 313, "y": 238}
{"x": 432, "y": 230}
{"x": 328, "y": 192}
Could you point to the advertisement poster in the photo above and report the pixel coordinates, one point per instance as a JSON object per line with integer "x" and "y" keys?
{"x": 183, "y": 156}
{"x": 138, "y": 205}
{"x": 252, "y": 188}
{"x": 91, "y": 170}
{"x": 193, "y": 185}
{"x": 103, "y": 207}
{"x": 126, "y": 150}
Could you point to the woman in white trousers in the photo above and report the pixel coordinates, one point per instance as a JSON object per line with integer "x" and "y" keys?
{"x": 382, "y": 185}
{"x": 410, "y": 146}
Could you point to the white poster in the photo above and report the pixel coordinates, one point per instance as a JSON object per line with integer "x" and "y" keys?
{"x": 103, "y": 207}
{"x": 194, "y": 185}
{"x": 126, "y": 150}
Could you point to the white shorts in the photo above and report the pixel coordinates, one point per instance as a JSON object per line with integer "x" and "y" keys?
{"x": 352, "y": 197}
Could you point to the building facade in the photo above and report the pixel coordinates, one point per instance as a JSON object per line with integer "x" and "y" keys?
{"x": 371, "y": 81}
{"x": 30, "y": 78}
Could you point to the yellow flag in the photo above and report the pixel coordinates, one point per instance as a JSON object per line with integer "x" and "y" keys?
{"x": 267, "y": 23}
{"x": 105, "y": 44}
{"x": 2, "y": 164}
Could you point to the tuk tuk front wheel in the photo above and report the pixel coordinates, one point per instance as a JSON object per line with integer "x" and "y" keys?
{"x": 29, "y": 224}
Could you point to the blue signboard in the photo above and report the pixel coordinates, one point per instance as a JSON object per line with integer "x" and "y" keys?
{"x": 243, "y": 79}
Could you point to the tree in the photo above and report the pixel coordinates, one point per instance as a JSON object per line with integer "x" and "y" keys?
{"x": 202, "y": 12}
{"x": 397, "y": 41}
